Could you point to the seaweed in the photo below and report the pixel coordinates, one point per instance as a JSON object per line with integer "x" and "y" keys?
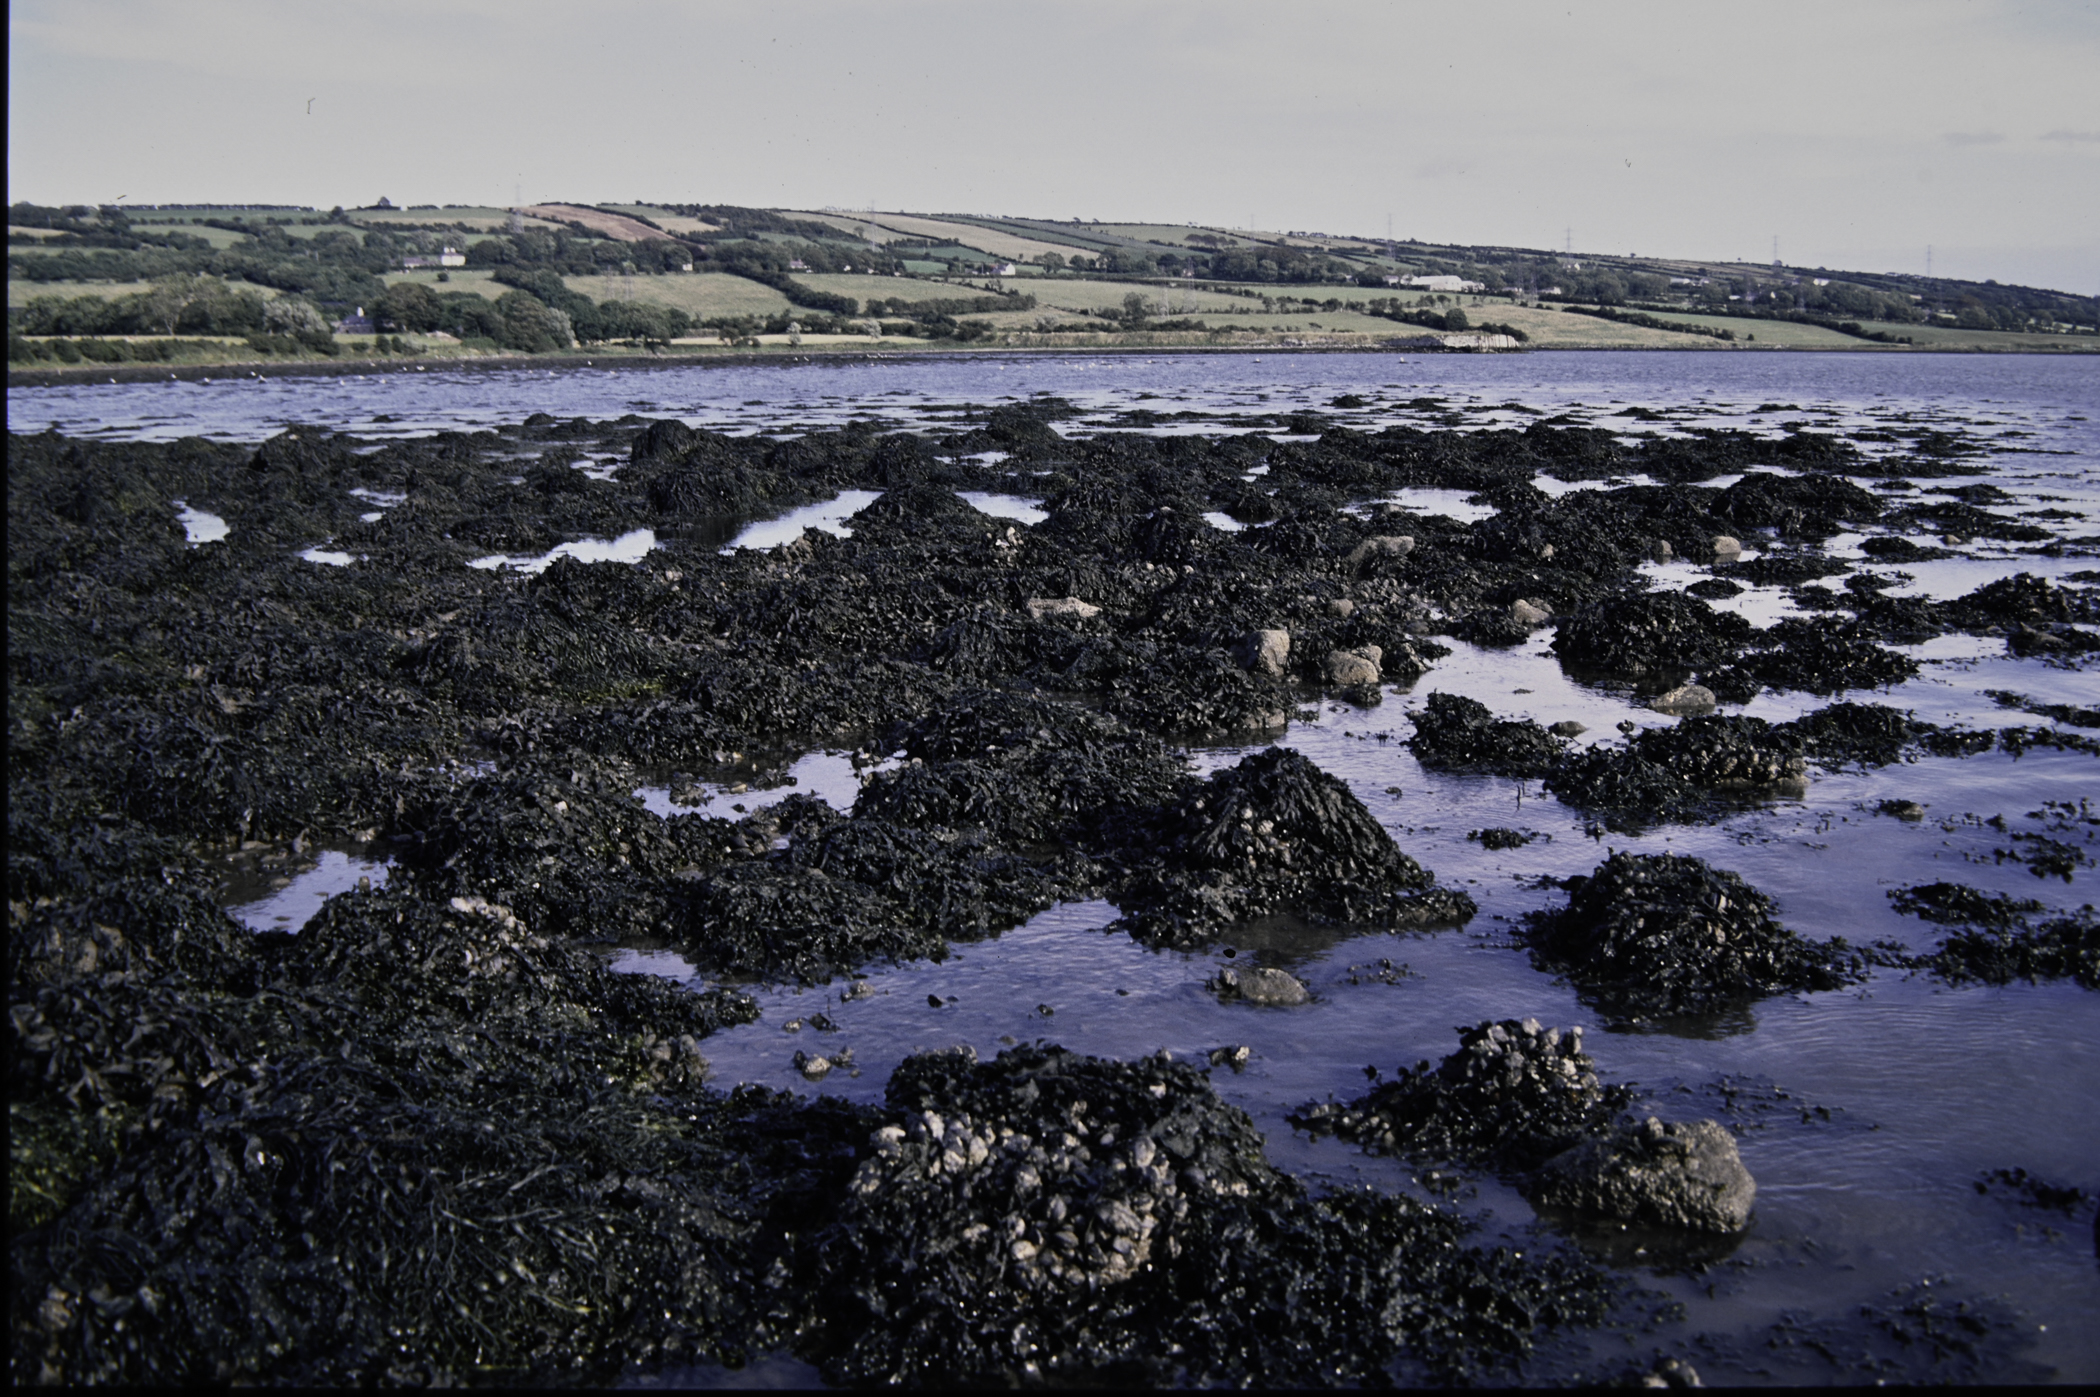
{"x": 1649, "y": 936}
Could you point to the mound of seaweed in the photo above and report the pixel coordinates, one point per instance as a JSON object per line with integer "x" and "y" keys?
{"x": 1664, "y": 935}
{"x": 1455, "y": 733}
{"x": 1272, "y": 835}
{"x": 433, "y": 1146}
{"x": 1513, "y": 1096}
{"x": 1029, "y": 769}
{"x": 1048, "y": 1217}
{"x": 571, "y": 849}
{"x": 1724, "y": 751}
{"x": 1998, "y": 944}
{"x": 1822, "y": 657}
{"x": 1650, "y": 632}
{"x": 860, "y": 890}
{"x": 115, "y": 901}
{"x": 1663, "y": 773}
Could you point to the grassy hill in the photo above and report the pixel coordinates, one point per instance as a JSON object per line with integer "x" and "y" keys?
{"x": 656, "y": 278}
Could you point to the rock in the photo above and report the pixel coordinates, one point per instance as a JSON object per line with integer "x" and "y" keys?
{"x": 1347, "y": 668}
{"x": 1514, "y": 1095}
{"x": 1382, "y": 546}
{"x": 1635, "y": 634}
{"x": 1273, "y": 835}
{"x": 1685, "y": 698}
{"x": 1660, "y": 551}
{"x": 1568, "y": 727}
{"x": 813, "y": 1069}
{"x": 1456, "y": 733}
{"x": 1727, "y": 549}
{"x": 1665, "y": 934}
{"x": 1061, "y": 609}
{"x": 1262, "y": 986}
{"x": 1902, "y": 809}
{"x": 1676, "y": 1175}
{"x": 1265, "y": 652}
{"x": 1529, "y": 614}
{"x": 1671, "y": 1372}
{"x": 1342, "y": 607}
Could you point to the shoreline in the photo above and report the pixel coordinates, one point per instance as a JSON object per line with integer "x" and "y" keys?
{"x": 337, "y": 368}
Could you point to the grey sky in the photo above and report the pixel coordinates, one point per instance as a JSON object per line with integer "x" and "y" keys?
{"x": 1857, "y": 131}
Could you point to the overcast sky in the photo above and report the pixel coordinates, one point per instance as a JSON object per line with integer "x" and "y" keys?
{"x": 1857, "y": 131}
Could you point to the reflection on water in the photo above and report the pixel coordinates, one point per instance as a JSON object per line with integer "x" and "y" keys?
{"x": 629, "y": 547}
{"x": 199, "y": 527}
{"x": 830, "y": 516}
{"x": 832, "y": 777}
{"x": 1006, "y": 506}
{"x": 293, "y": 906}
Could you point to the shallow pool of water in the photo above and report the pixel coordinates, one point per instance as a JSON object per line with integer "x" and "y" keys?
{"x": 630, "y": 547}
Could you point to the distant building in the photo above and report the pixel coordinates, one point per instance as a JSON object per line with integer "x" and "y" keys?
{"x": 450, "y": 257}
{"x": 358, "y": 324}
{"x": 1443, "y": 283}
{"x": 1003, "y": 269}
{"x": 796, "y": 264}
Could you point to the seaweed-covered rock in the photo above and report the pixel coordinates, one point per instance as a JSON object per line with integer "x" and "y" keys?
{"x": 2061, "y": 948}
{"x": 1047, "y": 1217}
{"x": 317, "y": 1178}
{"x": 1514, "y": 1095}
{"x": 1455, "y": 733}
{"x": 1649, "y": 632}
{"x": 1870, "y": 734}
{"x": 1802, "y": 506}
{"x": 1672, "y": 1175}
{"x": 1261, "y": 985}
{"x": 1724, "y": 752}
{"x": 1998, "y": 944}
{"x": 1823, "y": 658}
{"x": 1273, "y": 834}
{"x": 95, "y": 901}
{"x": 1624, "y": 787}
{"x": 1648, "y": 935}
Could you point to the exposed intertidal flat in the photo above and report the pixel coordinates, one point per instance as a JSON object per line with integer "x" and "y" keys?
{"x": 1390, "y": 872}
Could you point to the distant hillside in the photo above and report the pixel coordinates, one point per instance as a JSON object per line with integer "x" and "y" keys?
{"x": 217, "y": 284}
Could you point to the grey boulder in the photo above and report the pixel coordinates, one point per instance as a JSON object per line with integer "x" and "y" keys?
{"x": 1262, "y": 986}
{"x": 1684, "y": 1175}
{"x": 1265, "y": 652}
{"x": 1347, "y": 668}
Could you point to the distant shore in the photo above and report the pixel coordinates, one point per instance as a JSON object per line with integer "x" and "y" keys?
{"x": 744, "y": 358}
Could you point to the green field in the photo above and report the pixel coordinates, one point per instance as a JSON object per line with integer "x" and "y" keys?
{"x": 702, "y": 295}
{"x": 20, "y": 293}
{"x": 663, "y": 218}
{"x": 219, "y": 238}
{"x": 477, "y": 217}
{"x": 1954, "y": 337}
{"x": 850, "y": 225}
{"x": 1785, "y": 334}
{"x": 1555, "y": 329}
{"x": 458, "y": 279}
{"x": 1076, "y": 293}
{"x": 969, "y": 235}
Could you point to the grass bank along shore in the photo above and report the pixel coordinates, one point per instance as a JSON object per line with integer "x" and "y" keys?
{"x": 429, "y": 1138}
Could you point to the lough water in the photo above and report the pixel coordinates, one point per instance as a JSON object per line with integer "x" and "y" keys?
{"x": 1922, "y": 1087}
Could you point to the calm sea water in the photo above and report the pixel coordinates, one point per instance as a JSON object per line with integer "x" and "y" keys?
{"x": 1925, "y": 1086}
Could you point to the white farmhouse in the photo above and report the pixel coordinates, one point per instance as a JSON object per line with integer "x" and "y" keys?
{"x": 1442, "y": 283}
